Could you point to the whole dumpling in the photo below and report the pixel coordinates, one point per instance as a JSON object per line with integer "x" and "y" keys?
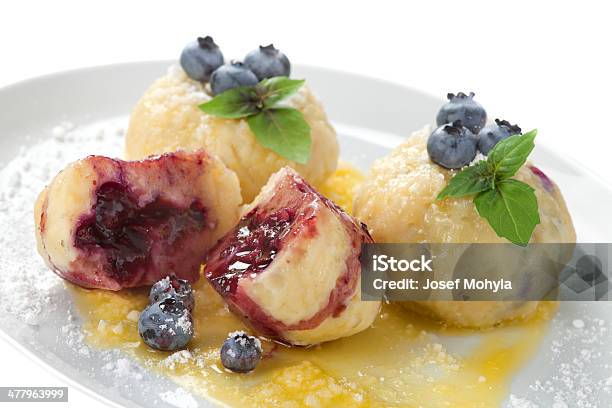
{"x": 398, "y": 203}
{"x": 167, "y": 118}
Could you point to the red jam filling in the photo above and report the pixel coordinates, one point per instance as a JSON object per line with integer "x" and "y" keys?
{"x": 127, "y": 232}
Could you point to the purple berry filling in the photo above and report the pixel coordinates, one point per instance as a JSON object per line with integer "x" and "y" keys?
{"x": 254, "y": 246}
{"x": 128, "y": 233}
{"x": 546, "y": 182}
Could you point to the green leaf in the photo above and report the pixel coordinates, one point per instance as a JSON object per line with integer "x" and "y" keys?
{"x": 234, "y": 103}
{"x": 511, "y": 209}
{"x": 469, "y": 181}
{"x": 284, "y": 131}
{"x": 274, "y": 90}
{"x": 510, "y": 154}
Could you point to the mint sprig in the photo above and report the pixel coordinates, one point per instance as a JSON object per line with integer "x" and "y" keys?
{"x": 279, "y": 128}
{"x": 510, "y": 206}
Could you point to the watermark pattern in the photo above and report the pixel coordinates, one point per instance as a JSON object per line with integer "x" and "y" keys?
{"x": 33, "y": 394}
{"x": 476, "y": 272}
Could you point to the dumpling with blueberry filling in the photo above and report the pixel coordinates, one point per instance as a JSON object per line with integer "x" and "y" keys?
{"x": 290, "y": 268}
{"x": 111, "y": 224}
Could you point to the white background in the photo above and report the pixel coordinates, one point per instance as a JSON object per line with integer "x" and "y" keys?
{"x": 539, "y": 64}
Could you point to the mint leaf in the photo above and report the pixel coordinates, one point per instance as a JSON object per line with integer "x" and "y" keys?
{"x": 510, "y": 154}
{"x": 273, "y": 90}
{"x": 469, "y": 181}
{"x": 284, "y": 131}
{"x": 234, "y": 103}
{"x": 511, "y": 209}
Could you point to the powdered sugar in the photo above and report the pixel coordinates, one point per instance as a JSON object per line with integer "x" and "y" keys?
{"x": 237, "y": 333}
{"x": 174, "y": 359}
{"x": 242, "y": 338}
{"x": 516, "y": 402}
{"x": 26, "y": 285}
{"x": 179, "y": 398}
{"x": 123, "y": 369}
{"x": 580, "y": 352}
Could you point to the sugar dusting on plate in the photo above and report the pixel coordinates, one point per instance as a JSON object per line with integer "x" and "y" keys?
{"x": 572, "y": 384}
{"x": 179, "y": 398}
{"x": 26, "y": 285}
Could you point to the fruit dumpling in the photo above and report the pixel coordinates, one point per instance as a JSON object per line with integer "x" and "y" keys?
{"x": 290, "y": 268}
{"x": 112, "y": 224}
{"x": 167, "y": 118}
{"x": 398, "y": 203}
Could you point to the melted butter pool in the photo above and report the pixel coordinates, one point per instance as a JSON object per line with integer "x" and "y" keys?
{"x": 402, "y": 360}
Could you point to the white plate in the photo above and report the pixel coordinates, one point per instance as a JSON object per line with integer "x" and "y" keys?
{"x": 371, "y": 117}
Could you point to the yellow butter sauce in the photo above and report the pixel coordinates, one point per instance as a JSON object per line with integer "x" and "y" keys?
{"x": 399, "y": 361}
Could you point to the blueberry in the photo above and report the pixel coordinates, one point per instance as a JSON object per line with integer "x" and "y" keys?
{"x": 231, "y": 76}
{"x": 200, "y": 58}
{"x": 464, "y": 108}
{"x": 452, "y": 146}
{"x": 490, "y": 135}
{"x": 172, "y": 287}
{"x": 268, "y": 62}
{"x": 166, "y": 325}
{"x": 240, "y": 352}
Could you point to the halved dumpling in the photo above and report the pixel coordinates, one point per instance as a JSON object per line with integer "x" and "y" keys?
{"x": 111, "y": 224}
{"x": 291, "y": 266}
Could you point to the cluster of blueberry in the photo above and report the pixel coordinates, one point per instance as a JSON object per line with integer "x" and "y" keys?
{"x": 167, "y": 324}
{"x": 462, "y": 132}
{"x": 203, "y": 61}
